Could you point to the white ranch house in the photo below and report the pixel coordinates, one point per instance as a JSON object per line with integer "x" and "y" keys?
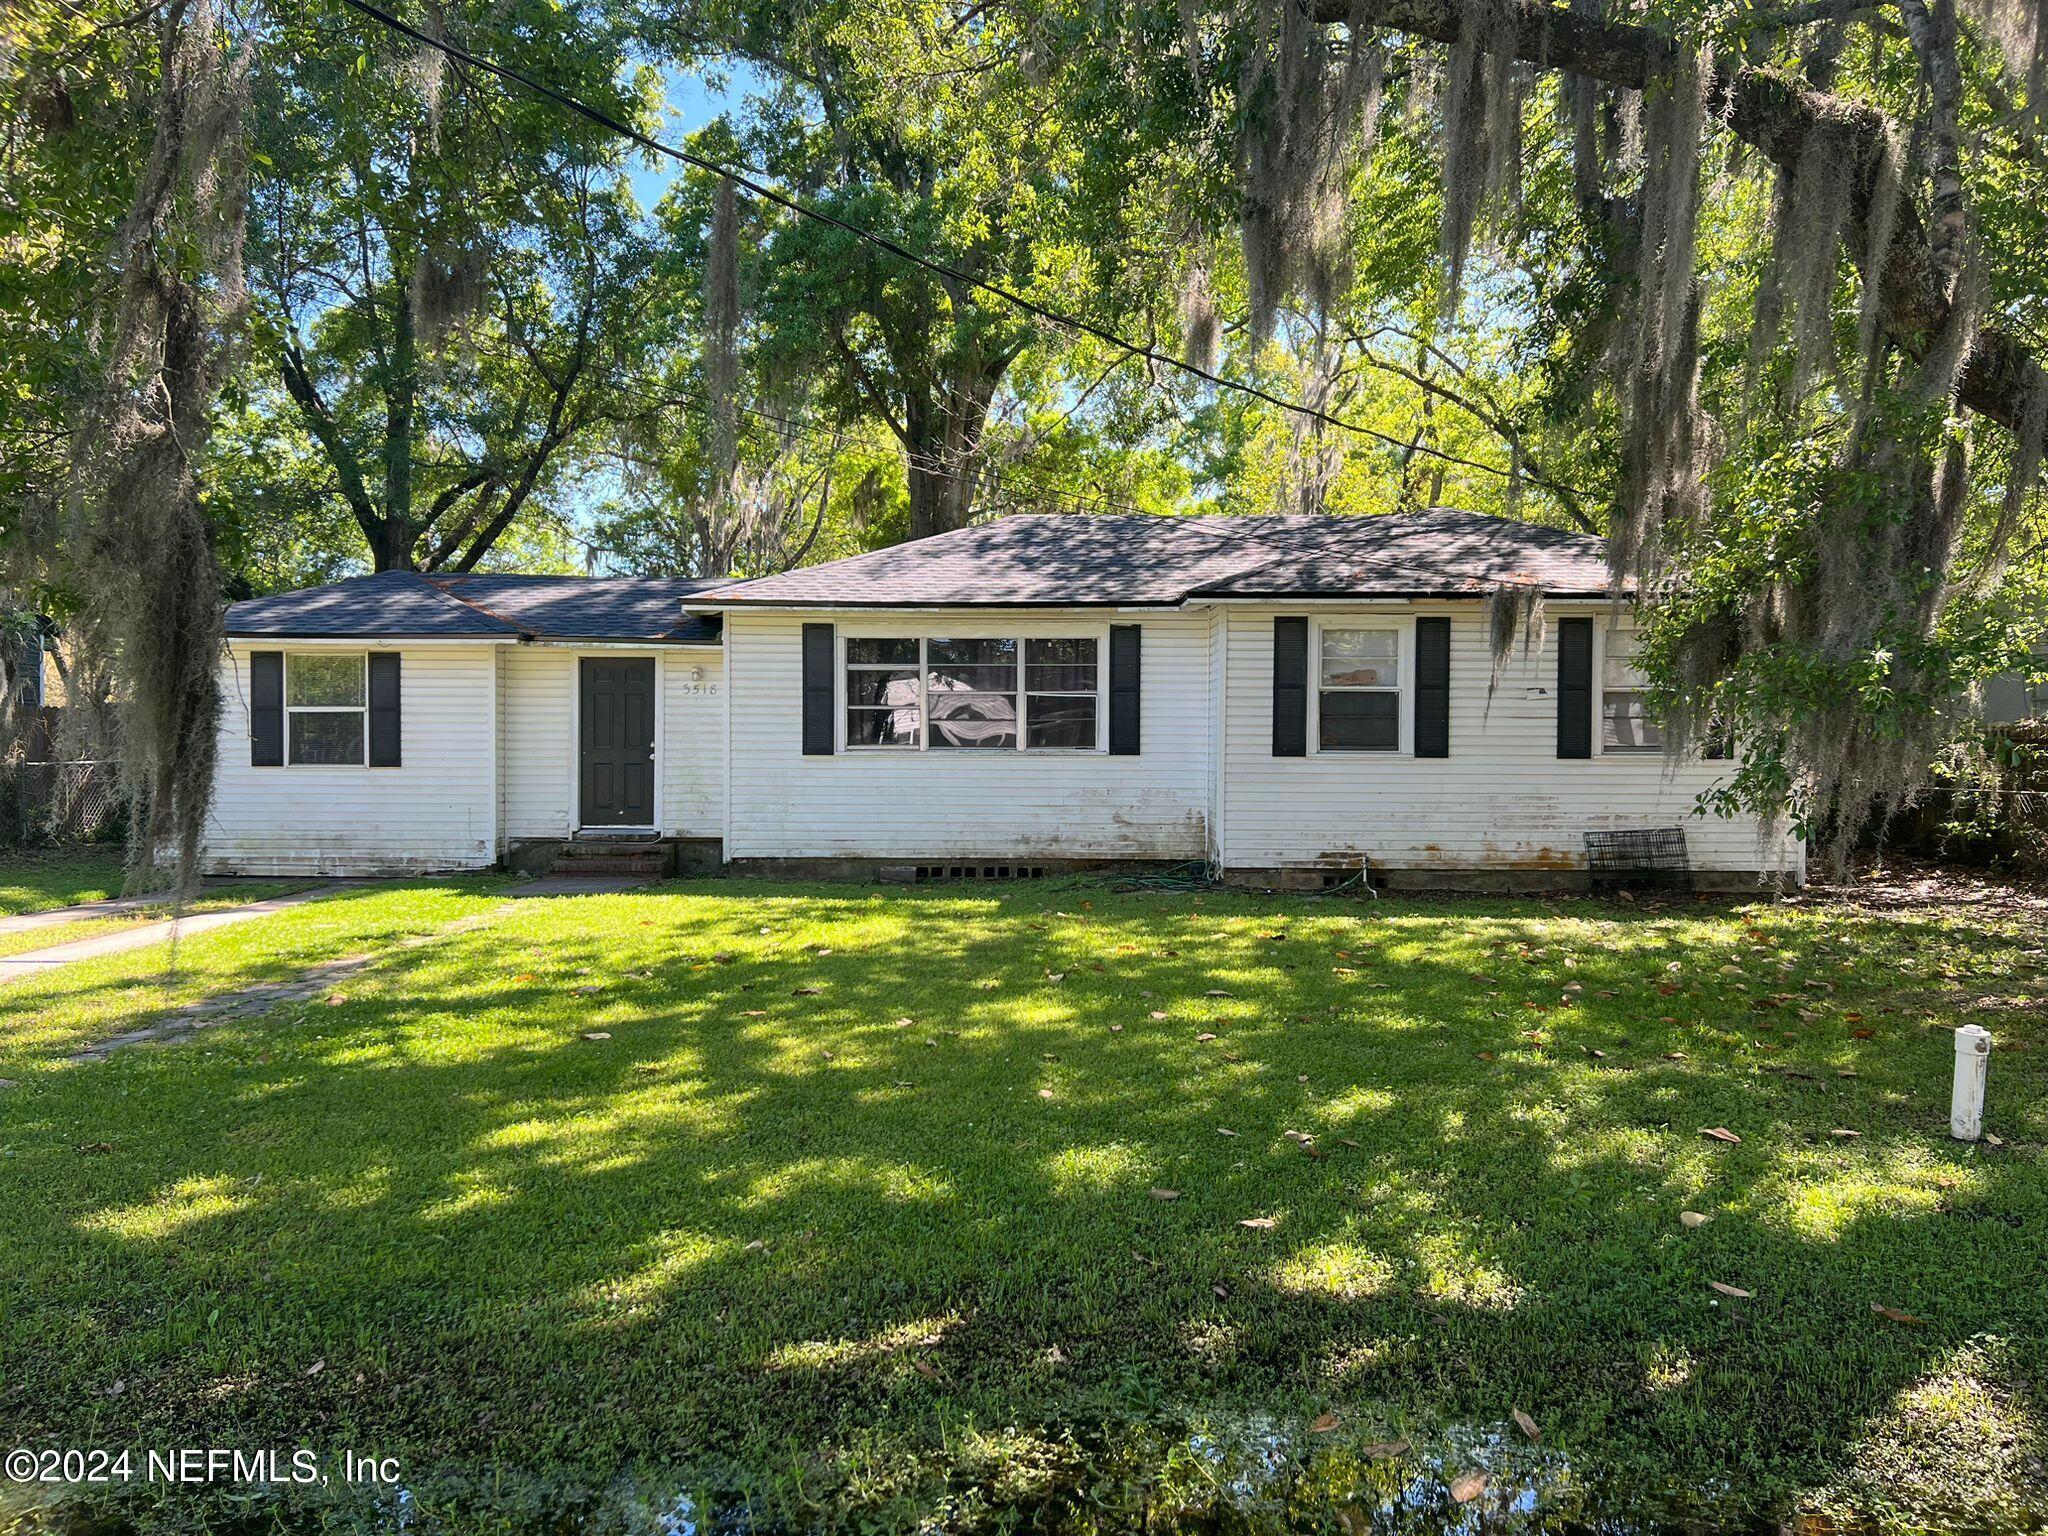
{"x": 1287, "y": 699}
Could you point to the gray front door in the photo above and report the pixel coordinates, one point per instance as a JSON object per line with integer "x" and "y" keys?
{"x": 617, "y": 774}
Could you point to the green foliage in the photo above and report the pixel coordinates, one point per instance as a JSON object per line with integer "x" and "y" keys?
{"x": 838, "y": 1203}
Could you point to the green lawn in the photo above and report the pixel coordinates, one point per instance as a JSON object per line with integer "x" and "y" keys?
{"x": 858, "y": 1213}
{"x": 37, "y": 881}
{"x": 213, "y": 899}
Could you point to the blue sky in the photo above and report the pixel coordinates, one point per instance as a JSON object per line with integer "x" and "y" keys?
{"x": 694, "y": 99}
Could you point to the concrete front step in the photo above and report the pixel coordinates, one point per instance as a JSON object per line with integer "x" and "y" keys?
{"x": 651, "y": 868}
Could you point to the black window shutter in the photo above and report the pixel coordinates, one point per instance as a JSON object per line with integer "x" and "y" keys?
{"x": 1290, "y": 687}
{"x": 1124, "y": 652}
{"x": 266, "y": 709}
{"x": 818, "y": 690}
{"x": 384, "y": 729}
{"x": 1433, "y": 687}
{"x": 1574, "y": 687}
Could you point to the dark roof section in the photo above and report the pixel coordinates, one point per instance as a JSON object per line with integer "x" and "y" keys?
{"x": 401, "y": 605}
{"x": 1088, "y": 559}
{"x": 589, "y": 607}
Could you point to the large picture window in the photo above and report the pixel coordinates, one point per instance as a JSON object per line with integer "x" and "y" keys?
{"x": 1625, "y": 724}
{"x": 326, "y": 698}
{"x": 884, "y": 693}
{"x": 980, "y": 693}
{"x": 971, "y": 693}
{"x": 1358, "y": 690}
{"x": 1060, "y": 680}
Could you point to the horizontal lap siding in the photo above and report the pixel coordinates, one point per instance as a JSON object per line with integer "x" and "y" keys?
{"x": 909, "y": 805}
{"x": 434, "y": 813}
{"x": 537, "y": 736}
{"x": 1501, "y": 800}
{"x": 536, "y": 749}
{"x": 693, "y": 743}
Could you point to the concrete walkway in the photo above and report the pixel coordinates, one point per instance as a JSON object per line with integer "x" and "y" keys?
{"x": 57, "y": 917}
{"x": 113, "y": 906}
{"x": 35, "y": 962}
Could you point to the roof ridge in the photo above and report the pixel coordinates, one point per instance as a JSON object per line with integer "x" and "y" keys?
{"x": 441, "y": 588}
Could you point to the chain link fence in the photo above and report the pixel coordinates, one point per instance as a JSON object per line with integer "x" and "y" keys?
{"x": 69, "y": 802}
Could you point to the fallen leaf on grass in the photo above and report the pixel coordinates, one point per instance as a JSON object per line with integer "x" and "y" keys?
{"x": 1204, "y": 1038}
{"x": 597, "y": 1034}
{"x": 1468, "y": 1487}
{"x": 755, "y": 1013}
{"x": 1163, "y": 1194}
{"x": 1260, "y": 1223}
{"x": 1721, "y": 1133}
{"x": 1155, "y": 1014}
{"x": 1690, "y": 1219}
{"x": 1728, "y": 1290}
{"x": 1325, "y": 1422}
{"x": 1215, "y": 993}
{"x": 1224, "y": 1130}
{"x": 1045, "y": 1093}
{"x": 806, "y": 991}
{"x": 1897, "y": 1316}
{"x": 1526, "y": 1425}
{"x": 316, "y": 1367}
{"x": 1384, "y": 1450}
{"x": 1846, "y": 1135}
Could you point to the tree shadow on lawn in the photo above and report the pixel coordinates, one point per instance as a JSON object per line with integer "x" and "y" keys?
{"x": 766, "y": 1234}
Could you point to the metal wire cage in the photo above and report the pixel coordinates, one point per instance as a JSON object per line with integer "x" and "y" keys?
{"x": 1652, "y": 856}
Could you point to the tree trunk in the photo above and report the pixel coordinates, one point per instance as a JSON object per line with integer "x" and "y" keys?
{"x": 392, "y": 551}
{"x": 942, "y": 438}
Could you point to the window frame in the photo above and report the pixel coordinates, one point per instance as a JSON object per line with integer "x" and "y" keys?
{"x": 1603, "y": 635}
{"x": 361, "y": 711}
{"x": 1403, "y": 630}
{"x": 923, "y": 636}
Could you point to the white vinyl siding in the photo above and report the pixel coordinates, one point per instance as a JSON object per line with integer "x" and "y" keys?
{"x": 537, "y": 729}
{"x": 436, "y": 812}
{"x": 693, "y": 742}
{"x": 1011, "y": 805}
{"x": 536, "y": 745}
{"x": 1502, "y": 800}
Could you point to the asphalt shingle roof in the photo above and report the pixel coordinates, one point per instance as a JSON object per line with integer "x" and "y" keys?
{"x": 1132, "y": 561}
{"x": 1072, "y": 560}
{"x": 404, "y": 605}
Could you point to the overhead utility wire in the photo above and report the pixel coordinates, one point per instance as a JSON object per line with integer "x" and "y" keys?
{"x": 761, "y": 190}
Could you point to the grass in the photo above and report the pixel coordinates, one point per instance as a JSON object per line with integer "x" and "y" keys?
{"x": 857, "y": 1211}
{"x": 38, "y": 882}
{"x": 216, "y": 898}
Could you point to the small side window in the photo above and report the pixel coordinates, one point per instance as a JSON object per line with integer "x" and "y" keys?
{"x": 1625, "y": 725}
{"x": 326, "y": 699}
{"x": 1358, "y": 691}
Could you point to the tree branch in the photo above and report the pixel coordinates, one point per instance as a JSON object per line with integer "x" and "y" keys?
{"x": 1778, "y": 115}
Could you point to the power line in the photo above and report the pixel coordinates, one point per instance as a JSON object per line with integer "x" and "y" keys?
{"x": 760, "y": 189}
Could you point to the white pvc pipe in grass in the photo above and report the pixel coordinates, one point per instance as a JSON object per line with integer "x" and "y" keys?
{"x": 1966, "y": 1099}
